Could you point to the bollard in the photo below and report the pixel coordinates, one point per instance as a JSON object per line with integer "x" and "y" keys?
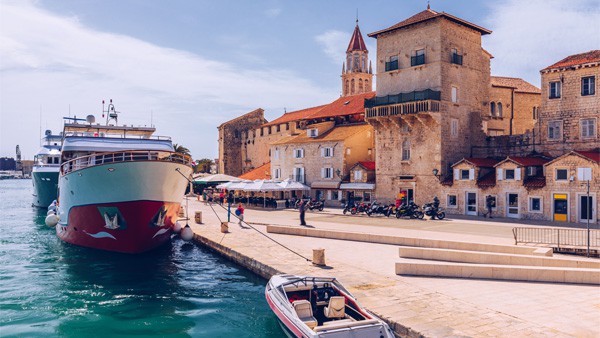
{"x": 181, "y": 213}
{"x": 198, "y": 217}
{"x": 319, "y": 257}
{"x": 224, "y": 227}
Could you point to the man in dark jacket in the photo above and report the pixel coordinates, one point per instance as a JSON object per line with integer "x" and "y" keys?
{"x": 301, "y": 208}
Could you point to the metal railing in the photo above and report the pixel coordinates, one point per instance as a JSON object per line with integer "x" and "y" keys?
{"x": 557, "y": 237}
{"x": 457, "y": 59}
{"x": 123, "y": 156}
{"x": 420, "y": 95}
{"x": 404, "y": 108}
{"x": 114, "y": 134}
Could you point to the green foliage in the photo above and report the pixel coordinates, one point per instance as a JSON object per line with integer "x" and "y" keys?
{"x": 181, "y": 149}
{"x": 203, "y": 165}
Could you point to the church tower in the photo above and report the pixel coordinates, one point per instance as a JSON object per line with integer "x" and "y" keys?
{"x": 356, "y": 77}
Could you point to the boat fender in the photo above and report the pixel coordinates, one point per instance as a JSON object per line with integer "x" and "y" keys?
{"x": 186, "y": 233}
{"x": 177, "y": 227}
{"x": 51, "y": 212}
{"x": 52, "y": 220}
{"x": 51, "y": 207}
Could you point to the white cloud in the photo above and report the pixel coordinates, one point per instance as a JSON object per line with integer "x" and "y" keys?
{"x": 273, "y": 12}
{"x": 51, "y": 63}
{"x": 334, "y": 44}
{"x": 531, "y": 35}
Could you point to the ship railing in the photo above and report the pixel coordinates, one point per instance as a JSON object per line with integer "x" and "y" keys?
{"x": 112, "y": 135}
{"x": 123, "y": 156}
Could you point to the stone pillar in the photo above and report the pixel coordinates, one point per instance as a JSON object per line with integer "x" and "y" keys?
{"x": 198, "y": 217}
{"x": 224, "y": 227}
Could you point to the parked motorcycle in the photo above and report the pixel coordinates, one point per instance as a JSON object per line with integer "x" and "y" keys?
{"x": 433, "y": 209}
{"x": 410, "y": 210}
{"x": 315, "y": 204}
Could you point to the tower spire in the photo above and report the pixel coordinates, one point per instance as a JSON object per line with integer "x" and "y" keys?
{"x": 428, "y": 5}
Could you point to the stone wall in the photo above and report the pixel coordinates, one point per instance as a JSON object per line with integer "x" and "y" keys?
{"x": 570, "y": 108}
{"x": 231, "y": 139}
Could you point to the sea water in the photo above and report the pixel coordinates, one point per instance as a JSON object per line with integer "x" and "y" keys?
{"x": 49, "y": 288}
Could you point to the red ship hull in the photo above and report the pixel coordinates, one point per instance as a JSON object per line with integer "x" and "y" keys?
{"x": 128, "y": 227}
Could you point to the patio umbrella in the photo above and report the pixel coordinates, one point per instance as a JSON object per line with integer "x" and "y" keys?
{"x": 216, "y": 178}
{"x": 290, "y": 185}
{"x": 264, "y": 186}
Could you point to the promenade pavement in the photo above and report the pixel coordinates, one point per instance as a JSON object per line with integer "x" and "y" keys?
{"x": 416, "y": 306}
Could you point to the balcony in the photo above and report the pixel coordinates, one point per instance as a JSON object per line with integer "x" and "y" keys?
{"x": 403, "y": 108}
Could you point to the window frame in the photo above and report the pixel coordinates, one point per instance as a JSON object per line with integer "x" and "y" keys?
{"x": 462, "y": 174}
{"x": 555, "y": 134}
{"x": 418, "y": 58}
{"x": 554, "y": 90}
{"x": 405, "y": 151}
{"x": 513, "y": 174}
{"x": 451, "y": 206}
{"x": 454, "y": 127}
{"x": 591, "y": 89}
{"x": 541, "y": 201}
{"x": 565, "y": 170}
{"x": 391, "y": 64}
{"x": 581, "y": 128}
{"x": 454, "y": 94}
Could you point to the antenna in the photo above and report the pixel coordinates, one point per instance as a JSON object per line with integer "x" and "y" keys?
{"x": 40, "y": 125}
{"x": 428, "y": 7}
{"x": 151, "y": 116}
{"x": 357, "y": 16}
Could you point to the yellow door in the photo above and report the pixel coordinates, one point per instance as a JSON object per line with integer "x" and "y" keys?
{"x": 561, "y": 207}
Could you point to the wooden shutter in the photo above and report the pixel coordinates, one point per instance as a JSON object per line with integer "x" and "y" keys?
{"x": 456, "y": 174}
{"x": 499, "y": 174}
{"x": 471, "y": 174}
{"x": 518, "y": 174}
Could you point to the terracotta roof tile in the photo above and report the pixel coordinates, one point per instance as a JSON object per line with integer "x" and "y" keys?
{"x": 345, "y": 105}
{"x": 261, "y": 173}
{"x": 528, "y": 161}
{"x": 593, "y": 155}
{"x": 295, "y": 116}
{"x": 338, "y": 133}
{"x": 577, "y": 59}
{"x": 487, "y": 180}
{"x": 356, "y": 42}
{"x": 240, "y": 117}
{"x": 427, "y": 15}
{"x": 520, "y": 85}
{"x": 368, "y": 165}
{"x": 534, "y": 182}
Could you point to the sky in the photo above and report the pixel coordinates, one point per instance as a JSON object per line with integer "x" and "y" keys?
{"x": 187, "y": 66}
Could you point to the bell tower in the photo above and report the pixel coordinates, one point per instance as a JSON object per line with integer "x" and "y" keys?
{"x": 357, "y": 73}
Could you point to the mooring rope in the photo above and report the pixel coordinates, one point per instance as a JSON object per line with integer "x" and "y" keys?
{"x": 241, "y": 220}
{"x": 260, "y": 232}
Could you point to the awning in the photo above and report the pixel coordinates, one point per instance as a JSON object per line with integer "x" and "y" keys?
{"x": 357, "y": 186}
{"x": 325, "y": 185}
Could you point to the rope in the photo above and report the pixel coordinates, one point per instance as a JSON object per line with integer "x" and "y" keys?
{"x": 260, "y": 232}
{"x": 253, "y": 228}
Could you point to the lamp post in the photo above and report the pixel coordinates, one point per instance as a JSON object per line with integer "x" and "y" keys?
{"x": 436, "y": 173}
{"x": 587, "y": 214}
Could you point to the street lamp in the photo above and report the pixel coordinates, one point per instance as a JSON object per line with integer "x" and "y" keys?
{"x": 338, "y": 172}
{"x": 436, "y": 173}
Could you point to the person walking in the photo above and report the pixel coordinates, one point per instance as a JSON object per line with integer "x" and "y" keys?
{"x": 239, "y": 212}
{"x": 221, "y": 197}
{"x": 489, "y": 204}
{"x": 302, "y": 210}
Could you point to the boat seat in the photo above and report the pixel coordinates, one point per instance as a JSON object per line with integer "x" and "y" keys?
{"x": 336, "y": 307}
{"x": 304, "y": 311}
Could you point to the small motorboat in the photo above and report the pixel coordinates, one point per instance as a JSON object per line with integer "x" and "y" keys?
{"x": 320, "y": 307}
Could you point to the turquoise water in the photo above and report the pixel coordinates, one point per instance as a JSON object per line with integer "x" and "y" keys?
{"x": 52, "y": 289}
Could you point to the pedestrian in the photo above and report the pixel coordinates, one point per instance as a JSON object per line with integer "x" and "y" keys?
{"x": 239, "y": 212}
{"x": 489, "y": 204}
{"x": 210, "y": 197}
{"x": 204, "y": 197}
{"x": 302, "y": 211}
{"x": 221, "y": 197}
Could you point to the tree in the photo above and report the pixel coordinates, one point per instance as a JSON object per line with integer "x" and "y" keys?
{"x": 181, "y": 149}
{"x": 203, "y": 165}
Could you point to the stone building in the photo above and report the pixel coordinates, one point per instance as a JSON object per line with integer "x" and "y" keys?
{"x": 231, "y": 159}
{"x": 432, "y": 93}
{"x": 321, "y": 157}
{"x": 361, "y": 182}
{"x": 244, "y": 141}
{"x": 358, "y": 77}
{"x": 570, "y": 104}
{"x": 513, "y": 107}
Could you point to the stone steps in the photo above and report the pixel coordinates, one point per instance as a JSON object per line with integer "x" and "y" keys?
{"x": 478, "y": 257}
{"x": 414, "y": 267}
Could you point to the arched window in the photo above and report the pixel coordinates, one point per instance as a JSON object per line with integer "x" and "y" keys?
{"x": 360, "y": 85}
{"x": 406, "y": 150}
{"x": 347, "y": 90}
{"x": 499, "y": 109}
{"x": 352, "y": 87}
{"x": 493, "y": 109}
{"x": 367, "y": 88}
